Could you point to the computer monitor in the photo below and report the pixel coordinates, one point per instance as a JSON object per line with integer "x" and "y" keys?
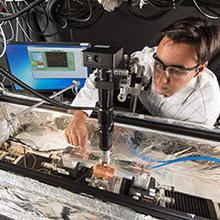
{"x": 47, "y": 66}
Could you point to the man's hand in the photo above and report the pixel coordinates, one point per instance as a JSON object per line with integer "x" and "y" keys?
{"x": 76, "y": 132}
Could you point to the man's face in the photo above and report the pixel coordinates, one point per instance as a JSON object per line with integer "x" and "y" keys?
{"x": 172, "y": 54}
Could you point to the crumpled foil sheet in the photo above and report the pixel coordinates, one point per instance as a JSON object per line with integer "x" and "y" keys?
{"x": 132, "y": 144}
{"x": 24, "y": 198}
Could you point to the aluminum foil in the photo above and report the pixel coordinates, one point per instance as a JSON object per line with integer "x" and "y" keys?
{"x": 24, "y": 198}
{"x": 137, "y": 146}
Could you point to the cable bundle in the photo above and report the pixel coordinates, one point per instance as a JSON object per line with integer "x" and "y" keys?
{"x": 79, "y": 13}
{"x": 163, "y": 6}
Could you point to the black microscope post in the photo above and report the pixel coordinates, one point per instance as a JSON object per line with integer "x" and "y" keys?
{"x": 105, "y": 86}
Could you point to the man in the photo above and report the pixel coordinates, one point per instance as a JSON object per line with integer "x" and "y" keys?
{"x": 180, "y": 86}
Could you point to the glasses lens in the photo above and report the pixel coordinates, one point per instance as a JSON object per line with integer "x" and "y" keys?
{"x": 176, "y": 72}
{"x": 171, "y": 71}
{"x": 158, "y": 66}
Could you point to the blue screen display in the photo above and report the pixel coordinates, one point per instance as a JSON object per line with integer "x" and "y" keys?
{"x": 40, "y": 65}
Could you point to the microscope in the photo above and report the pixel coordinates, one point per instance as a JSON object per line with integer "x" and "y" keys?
{"x": 109, "y": 61}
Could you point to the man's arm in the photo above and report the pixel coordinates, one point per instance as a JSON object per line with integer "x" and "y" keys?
{"x": 76, "y": 132}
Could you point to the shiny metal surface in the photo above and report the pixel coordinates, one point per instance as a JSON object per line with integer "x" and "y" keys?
{"x": 25, "y": 198}
{"x": 134, "y": 148}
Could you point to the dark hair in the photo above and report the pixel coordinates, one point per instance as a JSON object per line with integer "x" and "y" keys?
{"x": 197, "y": 32}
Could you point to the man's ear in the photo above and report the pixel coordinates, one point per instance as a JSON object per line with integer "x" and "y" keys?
{"x": 201, "y": 68}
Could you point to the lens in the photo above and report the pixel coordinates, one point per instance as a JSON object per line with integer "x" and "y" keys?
{"x": 158, "y": 66}
{"x": 176, "y": 72}
{"x": 96, "y": 58}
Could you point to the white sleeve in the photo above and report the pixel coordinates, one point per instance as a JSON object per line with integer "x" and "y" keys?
{"x": 87, "y": 96}
{"x": 145, "y": 57}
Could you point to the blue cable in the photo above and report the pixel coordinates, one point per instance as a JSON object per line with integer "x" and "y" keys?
{"x": 166, "y": 162}
{"x": 132, "y": 145}
{"x": 143, "y": 157}
{"x": 185, "y": 159}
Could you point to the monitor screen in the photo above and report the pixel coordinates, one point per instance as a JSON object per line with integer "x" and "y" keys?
{"x": 47, "y": 66}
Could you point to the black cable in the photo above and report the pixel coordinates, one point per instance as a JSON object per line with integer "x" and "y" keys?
{"x": 136, "y": 12}
{"x": 164, "y": 5}
{"x": 214, "y": 12}
{"x": 53, "y": 34}
{"x": 202, "y": 12}
{"x": 42, "y": 33}
{"x": 97, "y": 14}
{"x": 31, "y": 5}
{"x": 17, "y": 140}
{"x": 75, "y": 13}
{"x": 213, "y": 3}
{"x": 27, "y": 21}
{"x": 25, "y": 18}
{"x": 84, "y": 175}
{"x": 29, "y": 89}
{"x": 29, "y": 24}
{"x": 159, "y": 7}
{"x": 15, "y": 9}
{"x": 89, "y": 16}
